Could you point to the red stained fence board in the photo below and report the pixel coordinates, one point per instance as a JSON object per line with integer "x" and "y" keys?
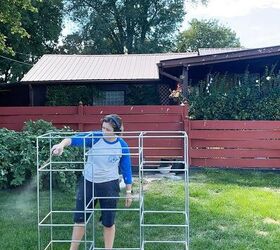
{"x": 128, "y": 110}
{"x": 234, "y": 153}
{"x": 234, "y": 135}
{"x": 250, "y": 144}
{"x": 241, "y": 144}
{"x": 237, "y": 163}
{"x": 88, "y": 117}
{"x": 229, "y": 124}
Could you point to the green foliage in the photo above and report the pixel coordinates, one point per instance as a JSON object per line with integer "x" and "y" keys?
{"x": 110, "y": 26}
{"x": 18, "y": 153}
{"x": 39, "y": 127}
{"x": 9, "y": 158}
{"x": 18, "y": 157}
{"x": 142, "y": 95}
{"x": 11, "y": 18}
{"x": 246, "y": 97}
{"x": 59, "y": 95}
{"x": 43, "y": 27}
{"x": 206, "y": 34}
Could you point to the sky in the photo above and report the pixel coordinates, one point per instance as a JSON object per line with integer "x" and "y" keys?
{"x": 255, "y": 22}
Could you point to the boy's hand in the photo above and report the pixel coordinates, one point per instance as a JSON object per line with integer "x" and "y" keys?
{"x": 128, "y": 200}
{"x": 57, "y": 150}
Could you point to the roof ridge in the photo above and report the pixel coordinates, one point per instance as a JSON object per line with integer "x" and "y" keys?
{"x": 224, "y": 48}
{"x": 124, "y": 55}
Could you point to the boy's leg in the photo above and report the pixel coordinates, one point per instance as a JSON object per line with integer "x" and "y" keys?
{"x": 77, "y": 235}
{"x": 109, "y": 236}
{"x": 79, "y": 217}
{"x": 109, "y": 189}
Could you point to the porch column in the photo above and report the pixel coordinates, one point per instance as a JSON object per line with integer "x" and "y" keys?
{"x": 31, "y": 95}
{"x": 185, "y": 76}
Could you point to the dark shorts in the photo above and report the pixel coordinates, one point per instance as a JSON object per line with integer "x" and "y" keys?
{"x": 105, "y": 189}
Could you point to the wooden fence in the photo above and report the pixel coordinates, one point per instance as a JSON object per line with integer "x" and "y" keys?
{"x": 87, "y": 118}
{"x": 235, "y": 144}
{"x": 231, "y": 144}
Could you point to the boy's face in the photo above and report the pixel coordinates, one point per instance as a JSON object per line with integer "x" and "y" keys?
{"x": 107, "y": 129}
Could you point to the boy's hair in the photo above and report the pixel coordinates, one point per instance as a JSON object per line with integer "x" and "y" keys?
{"x": 115, "y": 121}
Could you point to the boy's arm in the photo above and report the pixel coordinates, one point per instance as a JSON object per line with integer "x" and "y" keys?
{"x": 125, "y": 166}
{"x": 58, "y": 148}
{"x": 77, "y": 140}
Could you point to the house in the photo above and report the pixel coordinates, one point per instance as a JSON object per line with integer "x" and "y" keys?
{"x": 114, "y": 75}
{"x": 111, "y": 74}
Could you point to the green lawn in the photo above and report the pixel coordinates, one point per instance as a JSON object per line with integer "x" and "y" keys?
{"x": 229, "y": 209}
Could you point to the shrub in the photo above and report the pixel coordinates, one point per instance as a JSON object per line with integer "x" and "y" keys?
{"x": 245, "y": 97}
{"x": 62, "y": 95}
{"x": 18, "y": 157}
{"x": 10, "y": 146}
{"x": 138, "y": 94}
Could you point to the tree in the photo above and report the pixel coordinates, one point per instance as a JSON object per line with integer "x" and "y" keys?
{"x": 11, "y": 17}
{"x": 138, "y": 26}
{"x": 206, "y": 34}
{"x": 43, "y": 28}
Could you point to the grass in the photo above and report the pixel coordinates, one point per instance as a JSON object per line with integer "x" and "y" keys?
{"x": 229, "y": 209}
{"x": 235, "y": 210}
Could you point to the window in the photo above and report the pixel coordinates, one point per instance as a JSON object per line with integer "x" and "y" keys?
{"x": 110, "y": 98}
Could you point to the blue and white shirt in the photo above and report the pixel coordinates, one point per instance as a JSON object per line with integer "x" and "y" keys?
{"x": 104, "y": 157}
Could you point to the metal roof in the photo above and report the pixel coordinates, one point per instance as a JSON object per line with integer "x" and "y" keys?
{"x": 222, "y": 57}
{"x": 210, "y": 51}
{"x": 67, "y": 68}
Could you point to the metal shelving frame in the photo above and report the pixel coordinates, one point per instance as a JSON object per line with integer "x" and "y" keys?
{"x": 146, "y": 168}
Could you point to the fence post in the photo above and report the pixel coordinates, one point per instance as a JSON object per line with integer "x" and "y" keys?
{"x": 80, "y": 117}
{"x": 187, "y": 128}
